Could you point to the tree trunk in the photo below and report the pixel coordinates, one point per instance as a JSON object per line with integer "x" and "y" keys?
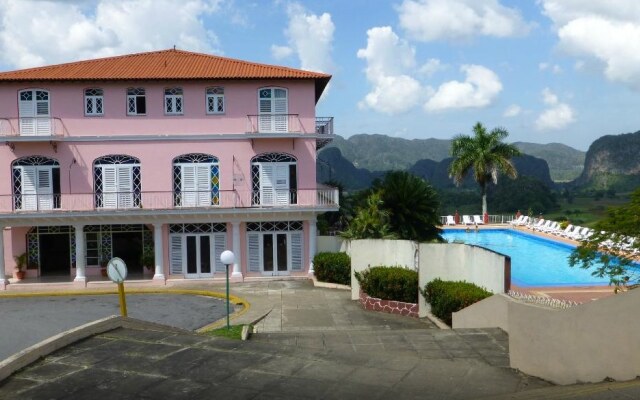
{"x": 483, "y": 190}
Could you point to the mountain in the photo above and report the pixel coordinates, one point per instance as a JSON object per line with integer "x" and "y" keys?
{"x": 384, "y": 153}
{"x": 612, "y": 162}
{"x": 565, "y": 163}
{"x": 332, "y": 166}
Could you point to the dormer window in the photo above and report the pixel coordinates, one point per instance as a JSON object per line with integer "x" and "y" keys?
{"x": 215, "y": 100}
{"x": 136, "y": 101}
{"x": 173, "y": 101}
{"x": 93, "y": 102}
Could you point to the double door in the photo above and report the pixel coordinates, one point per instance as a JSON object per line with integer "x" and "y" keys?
{"x": 275, "y": 254}
{"x": 197, "y": 255}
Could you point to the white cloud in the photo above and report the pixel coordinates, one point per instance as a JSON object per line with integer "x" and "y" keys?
{"x": 557, "y": 116}
{"x": 479, "y": 89}
{"x": 512, "y": 111}
{"x": 428, "y": 20}
{"x": 280, "y": 52}
{"x": 311, "y": 37}
{"x": 389, "y": 61}
{"x": 607, "y": 31}
{"x": 555, "y": 68}
{"x": 432, "y": 66}
{"x": 34, "y": 33}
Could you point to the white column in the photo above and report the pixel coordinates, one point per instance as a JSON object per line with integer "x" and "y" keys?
{"x": 81, "y": 260}
{"x": 3, "y": 279}
{"x": 235, "y": 232}
{"x": 313, "y": 237}
{"x": 158, "y": 252}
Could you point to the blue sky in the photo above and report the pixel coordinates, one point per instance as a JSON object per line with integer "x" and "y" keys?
{"x": 563, "y": 71}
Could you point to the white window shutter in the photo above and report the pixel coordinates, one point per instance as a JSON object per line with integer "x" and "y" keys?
{"x": 282, "y": 183}
{"x": 267, "y": 197}
{"x": 188, "y": 181}
{"x": 109, "y": 187}
{"x": 27, "y": 113}
{"x": 297, "y": 251}
{"x": 220, "y": 244}
{"x": 253, "y": 242}
{"x": 29, "y": 188}
{"x": 44, "y": 188}
{"x": 281, "y": 120}
{"x": 175, "y": 258}
{"x": 125, "y": 186}
{"x": 203, "y": 174}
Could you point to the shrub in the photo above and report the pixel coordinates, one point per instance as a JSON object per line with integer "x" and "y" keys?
{"x": 333, "y": 267}
{"x": 390, "y": 283}
{"x": 447, "y": 297}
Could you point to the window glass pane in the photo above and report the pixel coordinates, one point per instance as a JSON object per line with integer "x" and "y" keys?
{"x": 141, "y": 105}
{"x": 205, "y": 255}
{"x": 191, "y": 255}
{"x": 282, "y": 251}
{"x": 267, "y": 252}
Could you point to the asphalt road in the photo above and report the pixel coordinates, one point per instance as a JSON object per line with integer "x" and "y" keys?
{"x": 27, "y": 321}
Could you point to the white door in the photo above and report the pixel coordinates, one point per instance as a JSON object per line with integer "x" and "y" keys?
{"x": 274, "y": 184}
{"x": 275, "y": 253}
{"x": 37, "y": 188}
{"x": 34, "y": 113}
{"x": 117, "y": 186}
{"x": 273, "y": 110}
{"x": 197, "y": 255}
{"x": 195, "y": 185}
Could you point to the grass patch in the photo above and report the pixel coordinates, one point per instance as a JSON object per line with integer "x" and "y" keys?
{"x": 234, "y": 332}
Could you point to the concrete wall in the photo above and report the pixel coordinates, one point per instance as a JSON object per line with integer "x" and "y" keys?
{"x": 586, "y": 343}
{"x": 374, "y": 252}
{"x": 330, "y": 244}
{"x": 491, "y": 312}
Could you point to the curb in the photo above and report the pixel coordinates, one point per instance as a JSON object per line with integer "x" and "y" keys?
{"x": 328, "y": 285}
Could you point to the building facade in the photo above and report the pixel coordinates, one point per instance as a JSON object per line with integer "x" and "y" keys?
{"x": 163, "y": 159}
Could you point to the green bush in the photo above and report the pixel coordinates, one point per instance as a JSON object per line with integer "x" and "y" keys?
{"x": 390, "y": 283}
{"x": 447, "y": 297}
{"x": 333, "y": 267}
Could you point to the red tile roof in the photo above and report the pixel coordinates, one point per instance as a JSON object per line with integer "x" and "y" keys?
{"x": 163, "y": 65}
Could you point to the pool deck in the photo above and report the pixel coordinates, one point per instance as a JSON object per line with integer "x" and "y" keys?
{"x": 580, "y": 294}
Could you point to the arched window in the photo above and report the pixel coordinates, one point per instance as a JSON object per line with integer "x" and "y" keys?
{"x": 196, "y": 180}
{"x": 274, "y": 179}
{"x": 93, "y": 102}
{"x": 36, "y": 183}
{"x": 273, "y": 109}
{"x": 34, "y": 112}
{"x": 117, "y": 181}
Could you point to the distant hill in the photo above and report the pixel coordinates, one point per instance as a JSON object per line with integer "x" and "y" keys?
{"x": 333, "y": 166}
{"x": 612, "y": 162}
{"x": 565, "y": 163}
{"x": 384, "y": 153}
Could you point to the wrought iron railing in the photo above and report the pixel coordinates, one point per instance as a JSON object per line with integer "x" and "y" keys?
{"x": 44, "y": 127}
{"x": 273, "y": 123}
{"x": 324, "y": 125}
{"x": 325, "y": 197}
{"x": 493, "y": 219}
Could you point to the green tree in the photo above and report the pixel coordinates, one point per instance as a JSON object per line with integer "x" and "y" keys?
{"x": 522, "y": 193}
{"x": 370, "y": 222}
{"x": 485, "y": 154}
{"x": 412, "y": 205}
{"x": 611, "y": 250}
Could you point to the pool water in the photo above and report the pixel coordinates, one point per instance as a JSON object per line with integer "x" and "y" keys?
{"x": 535, "y": 261}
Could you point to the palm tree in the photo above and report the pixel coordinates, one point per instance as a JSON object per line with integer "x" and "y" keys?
{"x": 486, "y": 154}
{"x": 413, "y": 206}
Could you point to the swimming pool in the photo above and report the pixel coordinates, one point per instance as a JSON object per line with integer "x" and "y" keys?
{"x": 535, "y": 261}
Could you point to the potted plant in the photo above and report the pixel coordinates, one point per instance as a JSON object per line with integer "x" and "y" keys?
{"x": 21, "y": 263}
{"x": 147, "y": 258}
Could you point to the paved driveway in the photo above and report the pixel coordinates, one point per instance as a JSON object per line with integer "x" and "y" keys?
{"x": 27, "y": 321}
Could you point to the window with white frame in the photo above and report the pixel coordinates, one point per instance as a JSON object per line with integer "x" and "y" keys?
{"x": 34, "y": 111}
{"x": 274, "y": 179}
{"x": 196, "y": 180}
{"x": 136, "y": 101}
{"x": 173, "y": 101}
{"x": 215, "y": 100}
{"x": 36, "y": 183}
{"x": 273, "y": 108}
{"x": 93, "y": 102}
{"x": 117, "y": 182}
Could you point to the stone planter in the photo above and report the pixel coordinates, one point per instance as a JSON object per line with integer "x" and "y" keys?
{"x": 388, "y": 306}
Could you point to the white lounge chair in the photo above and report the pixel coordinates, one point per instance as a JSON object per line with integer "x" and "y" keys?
{"x": 517, "y": 221}
{"x": 538, "y": 224}
{"x": 478, "y": 220}
{"x": 542, "y": 227}
{"x": 574, "y": 230}
{"x": 466, "y": 220}
{"x": 566, "y": 230}
{"x": 583, "y": 234}
{"x": 553, "y": 227}
{"x": 450, "y": 220}
{"x": 525, "y": 221}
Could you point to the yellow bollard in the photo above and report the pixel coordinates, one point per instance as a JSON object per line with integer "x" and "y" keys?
{"x": 123, "y": 300}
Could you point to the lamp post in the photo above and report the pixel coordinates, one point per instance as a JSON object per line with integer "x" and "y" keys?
{"x": 227, "y": 257}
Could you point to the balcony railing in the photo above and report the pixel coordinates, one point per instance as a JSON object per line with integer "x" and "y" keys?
{"x": 324, "y": 125}
{"x": 273, "y": 123}
{"x": 300, "y": 198}
{"x": 32, "y": 127}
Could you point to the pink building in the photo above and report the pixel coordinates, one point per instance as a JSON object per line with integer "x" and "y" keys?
{"x": 163, "y": 159}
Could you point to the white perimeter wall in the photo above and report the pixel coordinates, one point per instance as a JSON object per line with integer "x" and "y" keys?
{"x": 585, "y": 343}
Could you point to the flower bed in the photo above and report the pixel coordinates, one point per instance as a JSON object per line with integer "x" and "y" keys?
{"x": 388, "y": 306}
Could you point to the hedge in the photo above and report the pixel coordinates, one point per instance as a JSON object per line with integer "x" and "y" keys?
{"x": 447, "y": 297}
{"x": 333, "y": 267}
{"x": 390, "y": 283}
